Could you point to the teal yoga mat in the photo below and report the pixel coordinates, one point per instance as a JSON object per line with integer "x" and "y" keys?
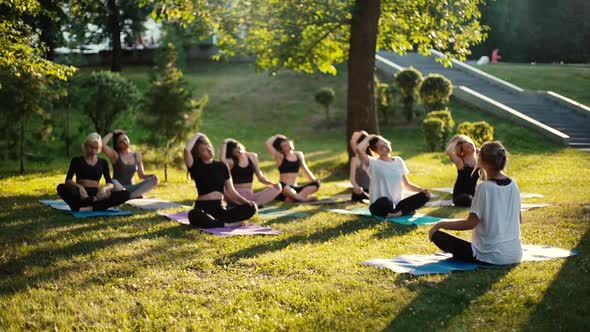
{"x": 415, "y": 219}
{"x": 61, "y": 205}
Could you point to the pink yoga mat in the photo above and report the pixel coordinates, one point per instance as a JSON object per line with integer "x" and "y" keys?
{"x": 248, "y": 229}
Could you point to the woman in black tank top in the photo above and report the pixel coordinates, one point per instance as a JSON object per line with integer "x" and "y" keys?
{"x": 359, "y": 179}
{"x": 243, "y": 165}
{"x": 289, "y": 163}
{"x": 212, "y": 179}
{"x": 84, "y": 194}
{"x": 463, "y": 153}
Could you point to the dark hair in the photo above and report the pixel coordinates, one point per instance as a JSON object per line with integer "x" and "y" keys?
{"x": 229, "y": 149}
{"x": 195, "y": 150}
{"x": 277, "y": 143}
{"x": 372, "y": 144}
{"x": 116, "y": 139}
{"x": 361, "y": 138}
{"x": 494, "y": 155}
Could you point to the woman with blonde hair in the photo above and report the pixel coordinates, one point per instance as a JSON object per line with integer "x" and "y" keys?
{"x": 84, "y": 193}
{"x": 494, "y": 216}
{"x": 243, "y": 165}
{"x": 463, "y": 153}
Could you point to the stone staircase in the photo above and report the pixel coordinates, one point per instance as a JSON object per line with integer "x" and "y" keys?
{"x": 548, "y": 110}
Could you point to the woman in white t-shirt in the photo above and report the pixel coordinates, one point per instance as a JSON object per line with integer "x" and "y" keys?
{"x": 388, "y": 177}
{"x": 494, "y": 216}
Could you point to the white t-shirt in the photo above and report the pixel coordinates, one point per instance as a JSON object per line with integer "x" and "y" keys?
{"x": 386, "y": 179}
{"x": 496, "y": 238}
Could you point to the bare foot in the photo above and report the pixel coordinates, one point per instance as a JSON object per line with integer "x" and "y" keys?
{"x": 310, "y": 199}
{"x": 395, "y": 214}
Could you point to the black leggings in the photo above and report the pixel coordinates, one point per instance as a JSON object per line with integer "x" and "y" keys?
{"x": 70, "y": 193}
{"x": 212, "y": 213}
{"x": 460, "y": 248}
{"x": 297, "y": 189}
{"x": 462, "y": 200}
{"x": 383, "y": 206}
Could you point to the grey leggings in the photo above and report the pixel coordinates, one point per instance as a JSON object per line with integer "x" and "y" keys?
{"x": 138, "y": 189}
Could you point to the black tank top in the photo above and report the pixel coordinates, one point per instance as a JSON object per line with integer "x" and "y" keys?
{"x": 242, "y": 174}
{"x": 209, "y": 177}
{"x": 288, "y": 166}
{"x": 466, "y": 182}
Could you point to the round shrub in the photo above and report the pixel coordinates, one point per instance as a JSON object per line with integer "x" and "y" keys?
{"x": 325, "y": 97}
{"x": 433, "y": 132}
{"x": 480, "y": 132}
{"x": 447, "y": 119}
{"x": 408, "y": 80}
{"x": 435, "y": 91}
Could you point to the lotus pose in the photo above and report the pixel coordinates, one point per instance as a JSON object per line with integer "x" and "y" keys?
{"x": 462, "y": 152}
{"x": 243, "y": 165}
{"x": 290, "y": 162}
{"x": 84, "y": 193}
{"x": 494, "y": 216}
{"x": 126, "y": 163}
{"x": 213, "y": 179}
{"x": 389, "y": 175}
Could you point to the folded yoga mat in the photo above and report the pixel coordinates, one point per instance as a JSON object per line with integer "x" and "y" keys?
{"x": 523, "y": 206}
{"x": 276, "y": 212}
{"x": 154, "y": 204}
{"x": 522, "y": 195}
{"x": 61, "y": 205}
{"x": 444, "y": 263}
{"x": 415, "y": 219}
{"x": 247, "y": 229}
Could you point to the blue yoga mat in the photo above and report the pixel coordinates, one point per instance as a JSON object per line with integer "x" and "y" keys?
{"x": 415, "y": 219}
{"x": 61, "y": 205}
{"x": 277, "y": 212}
{"x": 444, "y": 263}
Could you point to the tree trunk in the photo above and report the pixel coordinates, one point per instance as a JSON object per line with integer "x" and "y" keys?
{"x": 115, "y": 27}
{"x": 67, "y": 137}
{"x": 21, "y": 149}
{"x": 361, "y": 113}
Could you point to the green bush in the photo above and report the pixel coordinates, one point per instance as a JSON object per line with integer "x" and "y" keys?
{"x": 435, "y": 91}
{"x": 407, "y": 81}
{"x": 385, "y": 100}
{"x": 325, "y": 97}
{"x": 104, "y": 96}
{"x": 447, "y": 119}
{"x": 433, "y": 132}
{"x": 479, "y": 132}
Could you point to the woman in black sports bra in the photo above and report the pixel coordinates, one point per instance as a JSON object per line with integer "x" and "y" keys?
{"x": 213, "y": 179}
{"x": 462, "y": 152}
{"x": 84, "y": 193}
{"x": 243, "y": 165}
{"x": 289, "y": 163}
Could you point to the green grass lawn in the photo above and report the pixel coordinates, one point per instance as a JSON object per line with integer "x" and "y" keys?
{"x": 142, "y": 272}
{"x": 572, "y": 81}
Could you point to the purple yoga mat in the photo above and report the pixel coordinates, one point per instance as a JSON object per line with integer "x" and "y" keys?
{"x": 248, "y": 229}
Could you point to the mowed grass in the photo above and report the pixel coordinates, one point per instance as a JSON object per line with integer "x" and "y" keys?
{"x": 572, "y": 81}
{"x": 143, "y": 272}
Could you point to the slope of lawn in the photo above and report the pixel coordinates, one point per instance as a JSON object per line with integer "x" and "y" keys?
{"x": 143, "y": 272}
{"x": 572, "y": 81}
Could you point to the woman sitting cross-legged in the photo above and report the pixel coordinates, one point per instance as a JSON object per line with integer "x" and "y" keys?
{"x": 388, "y": 178}
{"x": 126, "y": 163}
{"x": 462, "y": 152}
{"x": 494, "y": 216}
{"x": 84, "y": 194}
{"x": 243, "y": 165}
{"x": 358, "y": 175}
{"x": 289, "y": 163}
{"x": 212, "y": 179}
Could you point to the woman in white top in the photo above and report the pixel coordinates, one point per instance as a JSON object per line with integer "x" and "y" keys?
{"x": 389, "y": 175}
{"x": 494, "y": 216}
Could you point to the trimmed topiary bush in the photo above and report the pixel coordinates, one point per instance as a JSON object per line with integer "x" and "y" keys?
{"x": 385, "y": 100}
{"x": 325, "y": 97}
{"x": 479, "y": 132}
{"x": 433, "y": 132}
{"x": 435, "y": 91}
{"x": 407, "y": 81}
{"x": 447, "y": 119}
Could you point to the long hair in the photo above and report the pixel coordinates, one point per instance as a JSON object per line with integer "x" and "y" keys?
{"x": 277, "y": 143}
{"x": 494, "y": 155}
{"x": 116, "y": 139}
{"x": 229, "y": 149}
{"x": 195, "y": 150}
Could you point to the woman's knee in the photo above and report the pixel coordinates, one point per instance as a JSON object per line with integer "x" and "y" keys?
{"x": 199, "y": 218}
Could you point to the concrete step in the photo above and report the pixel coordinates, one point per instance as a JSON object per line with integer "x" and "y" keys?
{"x": 580, "y": 145}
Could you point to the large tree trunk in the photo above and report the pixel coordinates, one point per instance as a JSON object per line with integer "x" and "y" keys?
{"x": 115, "y": 28}
{"x": 361, "y": 112}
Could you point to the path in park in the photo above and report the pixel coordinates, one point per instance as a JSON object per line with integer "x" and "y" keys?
{"x": 534, "y": 105}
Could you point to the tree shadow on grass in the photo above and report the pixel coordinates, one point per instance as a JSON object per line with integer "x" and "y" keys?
{"x": 436, "y": 305}
{"x": 566, "y": 302}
